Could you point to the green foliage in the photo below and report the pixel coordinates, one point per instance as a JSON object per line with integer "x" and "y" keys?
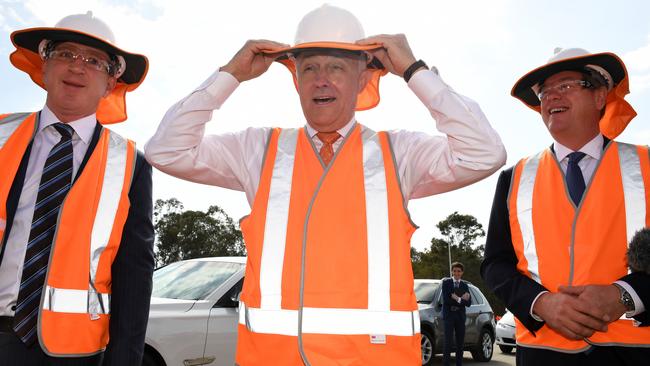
{"x": 460, "y": 232}
{"x": 188, "y": 234}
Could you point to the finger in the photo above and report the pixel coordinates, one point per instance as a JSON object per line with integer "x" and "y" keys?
{"x": 572, "y": 290}
{"x": 377, "y": 39}
{"x": 568, "y": 333}
{"x": 590, "y": 322}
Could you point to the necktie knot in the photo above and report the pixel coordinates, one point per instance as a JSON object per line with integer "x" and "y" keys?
{"x": 328, "y": 137}
{"x": 64, "y": 129}
{"x": 576, "y": 156}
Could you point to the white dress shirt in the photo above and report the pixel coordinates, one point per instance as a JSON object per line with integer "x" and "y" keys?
{"x": 426, "y": 164}
{"x": 593, "y": 152}
{"x": 11, "y": 268}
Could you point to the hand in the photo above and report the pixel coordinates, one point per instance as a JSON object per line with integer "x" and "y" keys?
{"x": 454, "y": 297}
{"x": 568, "y": 315}
{"x": 465, "y": 296}
{"x": 602, "y": 300}
{"x": 396, "y": 55}
{"x": 250, "y": 62}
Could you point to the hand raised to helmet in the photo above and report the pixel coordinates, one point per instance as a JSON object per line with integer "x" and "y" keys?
{"x": 250, "y": 62}
{"x": 396, "y": 54}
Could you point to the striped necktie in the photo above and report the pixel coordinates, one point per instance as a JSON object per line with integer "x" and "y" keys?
{"x": 55, "y": 184}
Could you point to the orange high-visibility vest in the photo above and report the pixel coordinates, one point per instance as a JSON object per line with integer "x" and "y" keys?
{"x": 74, "y": 310}
{"x": 328, "y": 277}
{"x": 557, "y": 243}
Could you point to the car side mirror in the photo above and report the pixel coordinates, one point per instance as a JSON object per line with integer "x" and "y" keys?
{"x": 235, "y": 297}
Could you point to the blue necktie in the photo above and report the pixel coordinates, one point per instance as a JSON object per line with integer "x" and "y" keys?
{"x": 54, "y": 186}
{"x": 574, "y": 179}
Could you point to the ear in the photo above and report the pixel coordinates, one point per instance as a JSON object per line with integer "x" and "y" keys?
{"x": 364, "y": 78}
{"x": 110, "y": 85}
{"x": 600, "y": 97}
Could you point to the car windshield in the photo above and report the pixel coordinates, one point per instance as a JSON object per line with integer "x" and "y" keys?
{"x": 191, "y": 280}
{"x": 424, "y": 291}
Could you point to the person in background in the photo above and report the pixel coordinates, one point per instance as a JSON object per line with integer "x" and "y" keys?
{"x": 455, "y": 298}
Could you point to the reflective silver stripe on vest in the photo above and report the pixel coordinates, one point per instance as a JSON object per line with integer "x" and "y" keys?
{"x": 111, "y": 193}
{"x": 376, "y": 222}
{"x": 74, "y": 301}
{"x": 9, "y": 124}
{"x": 330, "y": 321}
{"x": 277, "y": 217}
{"x": 633, "y": 189}
{"x": 525, "y": 213}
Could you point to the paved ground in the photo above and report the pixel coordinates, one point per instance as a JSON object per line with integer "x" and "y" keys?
{"x": 498, "y": 359}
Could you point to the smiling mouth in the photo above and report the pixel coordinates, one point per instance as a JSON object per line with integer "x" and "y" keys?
{"x": 324, "y": 100}
{"x": 557, "y": 110}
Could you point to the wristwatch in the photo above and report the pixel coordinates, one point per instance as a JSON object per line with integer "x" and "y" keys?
{"x": 626, "y": 298}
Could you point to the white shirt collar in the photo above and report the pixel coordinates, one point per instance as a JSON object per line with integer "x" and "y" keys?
{"x": 343, "y": 131}
{"x": 593, "y": 148}
{"x": 83, "y": 127}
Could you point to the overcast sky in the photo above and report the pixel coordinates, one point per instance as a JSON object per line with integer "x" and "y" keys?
{"x": 480, "y": 47}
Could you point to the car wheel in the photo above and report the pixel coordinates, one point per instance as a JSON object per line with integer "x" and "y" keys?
{"x": 505, "y": 349}
{"x": 483, "y": 351}
{"x": 427, "y": 344}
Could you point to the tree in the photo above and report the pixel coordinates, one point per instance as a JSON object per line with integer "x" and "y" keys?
{"x": 460, "y": 233}
{"x": 193, "y": 234}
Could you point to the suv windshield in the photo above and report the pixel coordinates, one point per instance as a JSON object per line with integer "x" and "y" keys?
{"x": 192, "y": 280}
{"x": 424, "y": 291}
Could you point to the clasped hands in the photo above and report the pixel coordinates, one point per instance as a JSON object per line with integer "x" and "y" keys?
{"x": 577, "y": 312}
{"x": 456, "y": 297}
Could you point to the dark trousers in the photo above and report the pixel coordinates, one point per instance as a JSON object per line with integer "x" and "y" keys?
{"x": 13, "y": 352}
{"x": 596, "y": 356}
{"x": 454, "y": 324}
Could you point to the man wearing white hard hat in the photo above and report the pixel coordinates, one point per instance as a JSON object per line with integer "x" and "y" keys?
{"x": 562, "y": 219}
{"x": 76, "y": 250}
{"x": 328, "y": 278}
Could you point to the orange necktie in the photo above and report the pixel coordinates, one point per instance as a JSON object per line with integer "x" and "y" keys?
{"x": 327, "y": 151}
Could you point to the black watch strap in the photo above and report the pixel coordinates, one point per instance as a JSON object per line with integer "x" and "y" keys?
{"x": 408, "y": 73}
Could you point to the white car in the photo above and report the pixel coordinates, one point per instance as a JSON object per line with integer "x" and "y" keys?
{"x": 506, "y": 333}
{"x": 193, "y": 315}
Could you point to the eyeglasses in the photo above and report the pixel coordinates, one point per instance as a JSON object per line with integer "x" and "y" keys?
{"x": 563, "y": 88}
{"x": 92, "y": 62}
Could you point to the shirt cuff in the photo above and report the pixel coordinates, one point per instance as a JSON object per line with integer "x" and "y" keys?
{"x": 639, "y": 307}
{"x": 426, "y": 84}
{"x": 533, "y": 305}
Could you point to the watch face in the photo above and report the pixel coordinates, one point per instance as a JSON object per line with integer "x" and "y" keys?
{"x": 626, "y": 299}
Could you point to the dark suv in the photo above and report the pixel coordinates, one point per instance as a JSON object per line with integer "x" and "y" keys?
{"x": 479, "y": 326}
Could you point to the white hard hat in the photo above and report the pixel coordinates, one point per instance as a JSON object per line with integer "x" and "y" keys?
{"x": 88, "y": 30}
{"x": 329, "y": 24}
{"x": 330, "y": 27}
